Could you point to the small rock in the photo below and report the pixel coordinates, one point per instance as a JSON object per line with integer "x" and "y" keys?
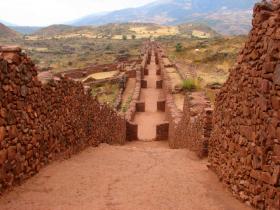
{"x": 2, "y": 133}
{"x": 3, "y": 156}
{"x": 276, "y": 75}
{"x": 12, "y": 151}
{"x": 23, "y": 91}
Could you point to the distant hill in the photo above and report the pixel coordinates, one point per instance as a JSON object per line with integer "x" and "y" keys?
{"x": 25, "y": 30}
{"x": 191, "y": 28}
{"x": 225, "y": 16}
{"x": 7, "y": 33}
{"x": 104, "y": 30}
{"x": 119, "y": 30}
{"x": 54, "y": 30}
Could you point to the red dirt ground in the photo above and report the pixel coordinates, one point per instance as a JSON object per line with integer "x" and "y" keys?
{"x": 138, "y": 176}
{"x": 148, "y": 120}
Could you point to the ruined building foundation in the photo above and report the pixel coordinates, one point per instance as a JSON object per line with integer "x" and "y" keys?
{"x": 40, "y": 123}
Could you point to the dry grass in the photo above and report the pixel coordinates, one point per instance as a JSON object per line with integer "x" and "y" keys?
{"x": 176, "y": 79}
{"x": 102, "y": 75}
{"x": 201, "y": 34}
{"x": 63, "y": 54}
{"x": 146, "y": 32}
{"x": 106, "y": 94}
{"x": 211, "y": 59}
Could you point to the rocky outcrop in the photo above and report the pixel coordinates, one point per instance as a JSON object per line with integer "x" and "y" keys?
{"x": 244, "y": 147}
{"x": 40, "y": 123}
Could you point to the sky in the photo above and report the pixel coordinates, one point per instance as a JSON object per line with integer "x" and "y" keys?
{"x": 47, "y": 12}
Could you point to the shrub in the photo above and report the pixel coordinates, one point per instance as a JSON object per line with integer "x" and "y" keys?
{"x": 190, "y": 85}
{"x": 179, "y": 47}
{"x": 133, "y": 36}
{"x": 124, "y": 37}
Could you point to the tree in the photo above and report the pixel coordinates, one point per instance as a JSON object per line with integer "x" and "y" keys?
{"x": 133, "y": 36}
{"x": 124, "y": 37}
{"x": 179, "y": 47}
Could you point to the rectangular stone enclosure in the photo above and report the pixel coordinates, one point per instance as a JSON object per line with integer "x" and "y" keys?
{"x": 159, "y": 84}
{"x": 144, "y": 84}
{"x": 140, "y": 107}
{"x": 146, "y": 72}
{"x": 162, "y": 131}
{"x": 131, "y": 131}
{"x": 158, "y": 72}
{"x": 161, "y": 106}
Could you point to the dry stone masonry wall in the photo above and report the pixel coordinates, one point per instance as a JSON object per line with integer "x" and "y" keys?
{"x": 40, "y": 123}
{"x": 194, "y": 129}
{"x": 244, "y": 147}
{"x": 132, "y": 128}
{"x": 187, "y": 129}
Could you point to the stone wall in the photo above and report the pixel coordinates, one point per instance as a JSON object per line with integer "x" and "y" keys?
{"x": 84, "y": 72}
{"x": 194, "y": 128}
{"x": 174, "y": 115}
{"x": 188, "y": 129}
{"x": 40, "y": 123}
{"x": 132, "y": 128}
{"x": 244, "y": 148}
{"x": 130, "y": 113}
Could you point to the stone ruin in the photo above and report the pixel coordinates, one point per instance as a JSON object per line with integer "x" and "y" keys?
{"x": 43, "y": 122}
{"x": 190, "y": 128}
{"x": 241, "y": 136}
{"x": 244, "y": 148}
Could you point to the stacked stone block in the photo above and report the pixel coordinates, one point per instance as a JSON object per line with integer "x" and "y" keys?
{"x": 185, "y": 130}
{"x": 40, "y": 123}
{"x": 244, "y": 149}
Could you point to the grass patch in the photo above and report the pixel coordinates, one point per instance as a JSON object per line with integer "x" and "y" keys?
{"x": 179, "y": 47}
{"x": 126, "y": 105}
{"x": 191, "y": 85}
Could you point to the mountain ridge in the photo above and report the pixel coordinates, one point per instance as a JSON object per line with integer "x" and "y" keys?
{"x": 8, "y": 33}
{"x": 174, "y": 12}
{"x": 25, "y": 30}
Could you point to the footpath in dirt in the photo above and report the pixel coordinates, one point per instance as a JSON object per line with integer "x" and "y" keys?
{"x": 148, "y": 120}
{"x": 137, "y": 176}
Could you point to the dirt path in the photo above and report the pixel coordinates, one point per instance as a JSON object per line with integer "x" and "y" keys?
{"x": 138, "y": 176}
{"x": 148, "y": 120}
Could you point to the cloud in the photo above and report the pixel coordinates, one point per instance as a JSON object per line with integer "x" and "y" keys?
{"x": 47, "y": 12}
